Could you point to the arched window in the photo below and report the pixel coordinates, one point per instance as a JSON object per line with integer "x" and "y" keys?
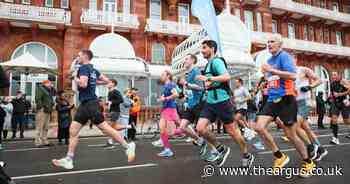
{"x": 27, "y": 84}
{"x": 323, "y": 74}
{"x": 158, "y": 53}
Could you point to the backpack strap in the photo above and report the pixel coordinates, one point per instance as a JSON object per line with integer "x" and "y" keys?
{"x": 225, "y": 86}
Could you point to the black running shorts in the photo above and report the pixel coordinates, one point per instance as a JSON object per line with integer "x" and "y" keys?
{"x": 89, "y": 110}
{"x": 221, "y": 111}
{"x": 192, "y": 114}
{"x": 286, "y": 109}
{"x": 336, "y": 109}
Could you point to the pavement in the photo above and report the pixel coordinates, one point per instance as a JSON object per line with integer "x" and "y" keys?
{"x": 97, "y": 165}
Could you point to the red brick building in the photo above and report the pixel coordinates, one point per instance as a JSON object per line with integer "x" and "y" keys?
{"x": 317, "y": 32}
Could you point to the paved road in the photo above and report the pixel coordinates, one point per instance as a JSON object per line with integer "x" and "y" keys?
{"x": 95, "y": 165}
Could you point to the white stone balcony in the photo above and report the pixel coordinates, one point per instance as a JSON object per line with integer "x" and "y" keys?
{"x": 171, "y": 27}
{"x": 303, "y": 45}
{"x": 103, "y": 18}
{"x": 252, "y": 2}
{"x": 34, "y": 13}
{"x": 299, "y": 10}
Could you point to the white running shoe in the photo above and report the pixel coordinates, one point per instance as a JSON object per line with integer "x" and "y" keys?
{"x": 157, "y": 143}
{"x": 64, "y": 163}
{"x": 335, "y": 141}
{"x": 189, "y": 139}
{"x": 130, "y": 152}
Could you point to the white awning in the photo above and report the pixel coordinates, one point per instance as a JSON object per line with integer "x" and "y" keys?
{"x": 27, "y": 64}
{"x": 121, "y": 66}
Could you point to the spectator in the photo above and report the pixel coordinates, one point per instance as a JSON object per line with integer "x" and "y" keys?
{"x": 320, "y": 109}
{"x": 125, "y": 112}
{"x": 134, "y": 111}
{"x": 2, "y": 120}
{"x": 28, "y": 107}
{"x": 64, "y": 118}
{"x": 8, "y": 107}
{"x": 44, "y": 103}
{"x": 18, "y": 114}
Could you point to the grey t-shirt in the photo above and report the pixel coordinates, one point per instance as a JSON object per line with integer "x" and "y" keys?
{"x": 239, "y": 97}
{"x": 125, "y": 107}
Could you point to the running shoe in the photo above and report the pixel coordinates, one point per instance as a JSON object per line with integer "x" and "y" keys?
{"x": 212, "y": 156}
{"x": 259, "y": 145}
{"x": 66, "y": 163}
{"x": 279, "y": 163}
{"x": 247, "y": 162}
{"x": 130, "y": 152}
{"x": 321, "y": 153}
{"x": 166, "y": 153}
{"x": 285, "y": 138}
{"x": 2, "y": 164}
{"x": 158, "y": 143}
{"x": 348, "y": 136}
{"x": 306, "y": 169}
{"x": 110, "y": 147}
{"x": 312, "y": 151}
{"x": 223, "y": 156}
{"x": 335, "y": 141}
{"x": 189, "y": 139}
{"x": 203, "y": 151}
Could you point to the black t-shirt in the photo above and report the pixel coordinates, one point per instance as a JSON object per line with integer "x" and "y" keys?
{"x": 116, "y": 98}
{"x": 88, "y": 93}
{"x": 338, "y": 88}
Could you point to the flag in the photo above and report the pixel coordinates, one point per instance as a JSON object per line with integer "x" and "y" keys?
{"x": 205, "y": 12}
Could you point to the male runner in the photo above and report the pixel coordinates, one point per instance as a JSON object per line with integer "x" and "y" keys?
{"x": 87, "y": 79}
{"x": 303, "y": 87}
{"x": 281, "y": 73}
{"x": 340, "y": 89}
{"x": 241, "y": 96}
{"x": 218, "y": 106}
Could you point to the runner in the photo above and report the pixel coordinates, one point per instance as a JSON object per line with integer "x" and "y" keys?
{"x": 114, "y": 101}
{"x": 339, "y": 104}
{"x": 241, "y": 97}
{"x": 303, "y": 87}
{"x": 87, "y": 79}
{"x": 218, "y": 106}
{"x": 280, "y": 72}
{"x": 168, "y": 112}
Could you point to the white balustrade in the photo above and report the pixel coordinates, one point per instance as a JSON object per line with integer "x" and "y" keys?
{"x": 171, "y": 27}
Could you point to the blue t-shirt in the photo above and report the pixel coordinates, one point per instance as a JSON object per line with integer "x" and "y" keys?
{"x": 193, "y": 96}
{"x": 220, "y": 69}
{"x": 167, "y": 88}
{"x": 88, "y": 93}
{"x": 278, "y": 87}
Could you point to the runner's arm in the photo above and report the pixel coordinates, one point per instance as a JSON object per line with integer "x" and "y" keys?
{"x": 173, "y": 95}
{"x": 82, "y": 81}
{"x": 281, "y": 74}
{"x": 315, "y": 80}
{"x": 102, "y": 80}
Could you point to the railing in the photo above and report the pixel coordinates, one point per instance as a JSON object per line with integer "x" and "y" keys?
{"x": 306, "y": 9}
{"x": 302, "y": 45}
{"x": 252, "y": 1}
{"x": 171, "y": 27}
{"x": 34, "y": 13}
{"x": 103, "y": 18}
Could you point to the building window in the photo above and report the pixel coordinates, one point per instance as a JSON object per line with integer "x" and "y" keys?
{"x": 93, "y": 4}
{"x": 311, "y": 33}
{"x": 326, "y": 35}
{"x": 49, "y": 3}
{"x": 25, "y": 1}
{"x": 184, "y": 13}
{"x": 335, "y": 6}
{"x": 274, "y": 26}
{"x": 109, "y": 6}
{"x": 155, "y": 9}
{"x": 323, "y": 3}
{"x": 259, "y": 22}
{"x": 158, "y": 53}
{"x": 248, "y": 20}
{"x": 305, "y": 32}
{"x": 322, "y": 73}
{"x": 126, "y": 7}
{"x": 321, "y": 35}
{"x": 64, "y": 3}
{"x": 339, "y": 39}
{"x": 238, "y": 13}
{"x": 347, "y": 74}
{"x": 291, "y": 30}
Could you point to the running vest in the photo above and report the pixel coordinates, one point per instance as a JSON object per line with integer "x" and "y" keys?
{"x": 302, "y": 81}
{"x": 225, "y": 85}
{"x": 338, "y": 88}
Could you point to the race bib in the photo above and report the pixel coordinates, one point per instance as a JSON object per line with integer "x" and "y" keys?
{"x": 273, "y": 82}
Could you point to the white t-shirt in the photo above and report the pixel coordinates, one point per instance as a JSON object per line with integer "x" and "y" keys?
{"x": 240, "y": 94}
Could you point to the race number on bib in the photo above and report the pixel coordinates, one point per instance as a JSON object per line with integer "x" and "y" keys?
{"x": 274, "y": 81}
